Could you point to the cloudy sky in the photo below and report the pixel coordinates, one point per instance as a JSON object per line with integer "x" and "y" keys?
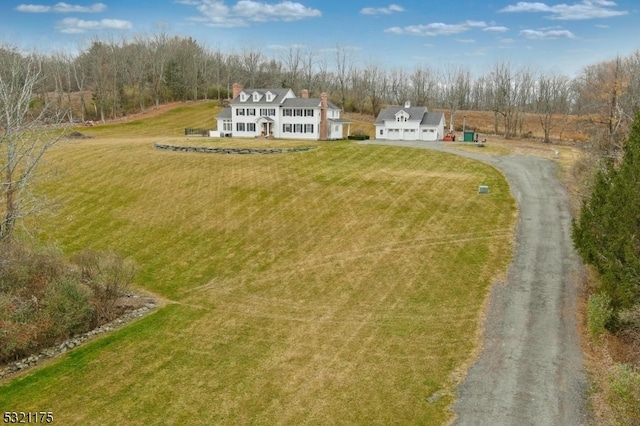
{"x": 546, "y": 35}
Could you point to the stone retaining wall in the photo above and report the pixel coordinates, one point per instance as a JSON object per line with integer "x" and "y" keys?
{"x": 221, "y": 150}
{"x": 55, "y": 351}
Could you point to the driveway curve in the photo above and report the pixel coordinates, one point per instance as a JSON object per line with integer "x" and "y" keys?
{"x": 530, "y": 370}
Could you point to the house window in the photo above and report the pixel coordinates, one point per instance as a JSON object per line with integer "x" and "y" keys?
{"x": 226, "y": 126}
{"x": 297, "y": 128}
{"x": 286, "y": 128}
{"x": 251, "y": 111}
{"x": 240, "y": 127}
{"x": 297, "y": 112}
{"x": 271, "y": 112}
{"x": 287, "y": 112}
{"x": 243, "y": 97}
{"x": 240, "y": 111}
{"x": 308, "y": 113}
{"x": 251, "y": 127}
{"x": 308, "y": 128}
{"x": 381, "y": 132}
{"x": 256, "y": 96}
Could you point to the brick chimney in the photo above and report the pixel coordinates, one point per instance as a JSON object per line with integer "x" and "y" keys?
{"x": 324, "y": 125}
{"x": 237, "y": 88}
{"x": 304, "y": 94}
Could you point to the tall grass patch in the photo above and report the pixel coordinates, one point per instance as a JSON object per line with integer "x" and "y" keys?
{"x": 341, "y": 285}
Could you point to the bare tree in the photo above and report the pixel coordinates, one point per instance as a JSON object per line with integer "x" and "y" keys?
{"x": 399, "y": 86}
{"x": 343, "y": 61}
{"x": 293, "y": 62}
{"x": 509, "y": 91}
{"x": 632, "y": 94}
{"x": 601, "y": 89}
{"x": 423, "y": 82}
{"x": 80, "y": 76}
{"x": 552, "y": 96}
{"x": 138, "y": 59}
{"x": 456, "y": 89}
{"x": 376, "y": 82}
{"x": 251, "y": 59}
{"x": 23, "y": 137}
{"x": 322, "y": 76}
{"x": 308, "y": 62}
{"x": 160, "y": 55}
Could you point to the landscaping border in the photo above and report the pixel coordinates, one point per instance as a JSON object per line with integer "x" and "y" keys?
{"x": 210, "y": 150}
{"x": 32, "y": 360}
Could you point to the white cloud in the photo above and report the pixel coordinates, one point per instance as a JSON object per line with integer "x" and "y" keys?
{"x": 33, "y": 8}
{"x": 284, "y": 11}
{"x": 496, "y": 29}
{"x": 216, "y": 13}
{"x": 585, "y": 9}
{"x": 78, "y": 26}
{"x": 282, "y": 47}
{"x": 392, "y": 8}
{"x": 465, "y": 40}
{"x": 435, "y": 29}
{"x": 62, "y": 8}
{"x": 546, "y": 34}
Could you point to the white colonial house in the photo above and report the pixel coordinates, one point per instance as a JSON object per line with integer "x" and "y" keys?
{"x": 410, "y": 124}
{"x": 278, "y": 113}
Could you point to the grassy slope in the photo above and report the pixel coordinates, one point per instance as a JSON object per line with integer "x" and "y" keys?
{"x": 342, "y": 285}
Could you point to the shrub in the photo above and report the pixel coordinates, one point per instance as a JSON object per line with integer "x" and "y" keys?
{"x": 624, "y": 396}
{"x": 599, "y": 314}
{"x": 109, "y": 277}
{"x": 358, "y": 137}
{"x": 27, "y": 271}
{"x": 69, "y": 308}
{"x": 44, "y": 298}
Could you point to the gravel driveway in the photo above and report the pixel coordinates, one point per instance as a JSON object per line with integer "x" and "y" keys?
{"x": 530, "y": 370}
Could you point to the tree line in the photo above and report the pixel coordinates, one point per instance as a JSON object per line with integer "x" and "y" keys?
{"x": 116, "y": 77}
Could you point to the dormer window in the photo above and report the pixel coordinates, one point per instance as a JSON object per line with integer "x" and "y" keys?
{"x": 256, "y": 97}
{"x": 243, "y": 97}
{"x": 270, "y": 96}
{"x": 402, "y": 116}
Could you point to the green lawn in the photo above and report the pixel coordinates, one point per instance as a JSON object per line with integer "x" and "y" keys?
{"x": 341, "y": 285}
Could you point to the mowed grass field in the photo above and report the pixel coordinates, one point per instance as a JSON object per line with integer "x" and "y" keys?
{"x": 339, "y": 286}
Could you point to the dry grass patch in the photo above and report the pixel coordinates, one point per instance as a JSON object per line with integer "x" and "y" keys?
{"x": 342, "y": 285}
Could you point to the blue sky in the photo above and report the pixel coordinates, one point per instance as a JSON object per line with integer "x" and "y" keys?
{"x": 544, "y": 35}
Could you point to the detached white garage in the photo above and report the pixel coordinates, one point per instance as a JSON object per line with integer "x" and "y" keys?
{"x": 409, "y": 124}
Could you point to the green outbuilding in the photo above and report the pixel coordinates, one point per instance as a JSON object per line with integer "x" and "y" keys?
{"x": 469, "y": 136}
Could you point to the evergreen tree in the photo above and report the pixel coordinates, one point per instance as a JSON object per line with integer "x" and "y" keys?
{"x": 607, "y": 235}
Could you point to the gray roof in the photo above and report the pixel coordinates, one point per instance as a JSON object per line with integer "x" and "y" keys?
{"x": 306, "y": 103}
{"x": 286, "y": 103}
{"x": 301, "y": 103}
{"x": 267, "y": 119}
{"x": 280, "y": 94}
{"x": 415, "y": 113}
{"x": 432, "y": 118}
{"x": 225, "y": 113}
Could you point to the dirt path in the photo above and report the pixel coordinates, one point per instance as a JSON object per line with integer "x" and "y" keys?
{"x": 530, "y": 370}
